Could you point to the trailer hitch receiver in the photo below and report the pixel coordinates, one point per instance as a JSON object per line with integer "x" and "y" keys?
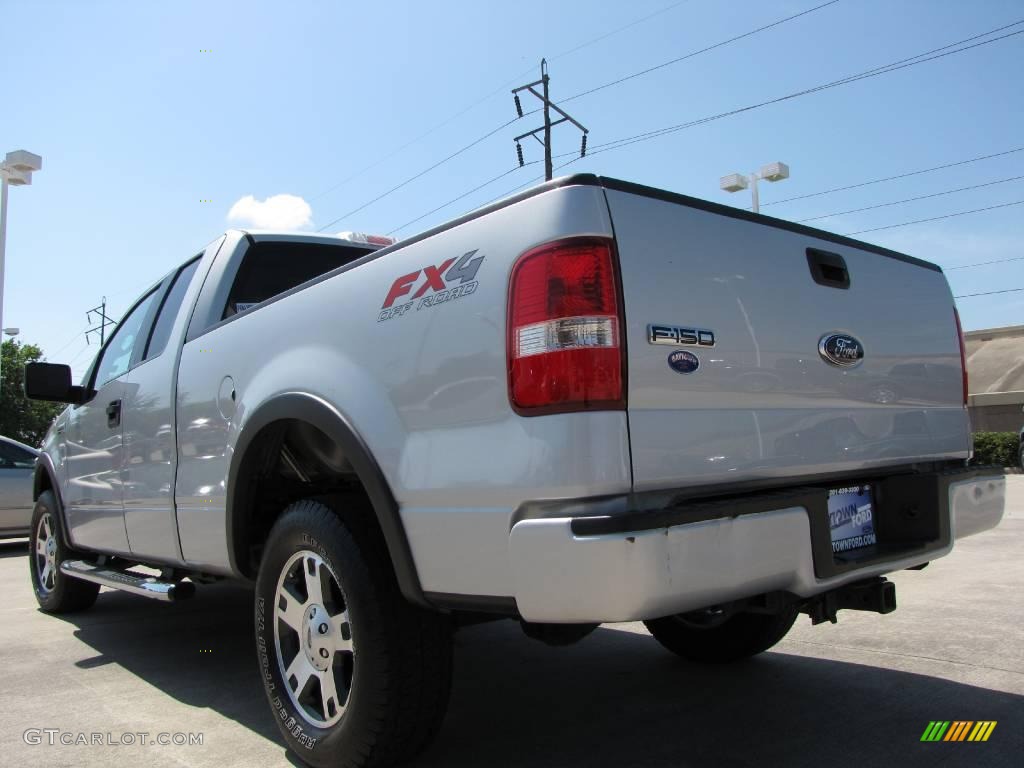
{"x": 876, "y": 595}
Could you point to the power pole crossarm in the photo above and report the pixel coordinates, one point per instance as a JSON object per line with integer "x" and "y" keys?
{"x": 104, "y": 321}
{"x": 548, "y": 105}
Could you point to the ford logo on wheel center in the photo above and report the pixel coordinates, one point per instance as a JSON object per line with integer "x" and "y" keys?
{"x": 841, "y": 349}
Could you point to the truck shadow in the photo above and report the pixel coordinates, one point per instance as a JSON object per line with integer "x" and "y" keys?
{"x": 616, "y": 698}
{"x": 13, "y": 548}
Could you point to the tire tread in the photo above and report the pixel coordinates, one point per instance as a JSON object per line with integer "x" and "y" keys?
{"x": 407, "y": 699}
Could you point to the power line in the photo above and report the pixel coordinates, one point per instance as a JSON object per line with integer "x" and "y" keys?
{"x": 986, "y": 263}
{"x": 460, "y": 197}
{"x": 500, "y": 89}
{"x": 935, "y": 218}
{"x": 988, "y": 293}
{"x": 697, "y": 53}
{"x": 605, "y": 36}
{"x": 910, "y": 199}
{"x": 68, "y": 344}
{"x": 874, "y": 72}
{"x": 424, "y": 172}
{"x": 74, "y": 359}
{"x": 578, "y": 95}
{"x": 920, "y": 58}
{"x": 892, "y": 178}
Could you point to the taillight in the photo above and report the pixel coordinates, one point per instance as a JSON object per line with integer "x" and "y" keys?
{"x": 963, "y": 352}
{"x": 564, "y": 345}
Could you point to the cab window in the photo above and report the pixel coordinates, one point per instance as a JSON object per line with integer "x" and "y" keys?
{"x": 169, "y": 311}
{"x": 271, "y": 268}
{"x": 117, "y": 356}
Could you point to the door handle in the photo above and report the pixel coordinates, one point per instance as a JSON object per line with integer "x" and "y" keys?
{"x": 114, "y": 414}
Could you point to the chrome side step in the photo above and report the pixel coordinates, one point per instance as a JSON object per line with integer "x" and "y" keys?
{"x": 127, "y": 581}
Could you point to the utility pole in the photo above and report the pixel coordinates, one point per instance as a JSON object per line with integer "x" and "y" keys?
{"x": 544, "y": 96}
{"x": 548, "y": 171}
{"x": 101, "y": 310}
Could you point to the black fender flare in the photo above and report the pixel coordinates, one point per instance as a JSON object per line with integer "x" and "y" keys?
{"x": 44, "y": 469}
{"x": 302, "y": 406}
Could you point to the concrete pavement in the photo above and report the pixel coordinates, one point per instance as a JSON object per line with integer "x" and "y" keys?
{"x": 857, "y": 693}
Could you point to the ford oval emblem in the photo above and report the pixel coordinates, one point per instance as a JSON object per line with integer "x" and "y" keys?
{"x": 682, "y": 361}
{"x": 841, "y": 349}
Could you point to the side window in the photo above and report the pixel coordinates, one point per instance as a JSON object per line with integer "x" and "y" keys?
{"x": 270, "y": 268}
{"x": 13, "y": 457}
{"x": 117, "y": 357}
{"x": 169, "y": 311}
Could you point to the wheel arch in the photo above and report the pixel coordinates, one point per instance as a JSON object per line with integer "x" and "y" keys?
{"x": 45, "y": 479}
{"x": 318, "y": 413}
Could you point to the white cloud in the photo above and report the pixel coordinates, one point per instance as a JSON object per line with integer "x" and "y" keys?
{"x": 276, "y": 212}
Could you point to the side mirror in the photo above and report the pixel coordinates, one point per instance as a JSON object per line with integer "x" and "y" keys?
{"x": 52, "y": 382}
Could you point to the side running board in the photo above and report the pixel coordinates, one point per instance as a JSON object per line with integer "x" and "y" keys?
{"x": 128, "y": 581}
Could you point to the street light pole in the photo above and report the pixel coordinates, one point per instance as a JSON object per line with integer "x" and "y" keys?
{"x": 16, "y": 169}
{"x": 3, "y": 242}
{"x": 734, "y": 182}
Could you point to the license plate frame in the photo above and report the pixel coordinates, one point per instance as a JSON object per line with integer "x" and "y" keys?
{"x": 852, "y": 517}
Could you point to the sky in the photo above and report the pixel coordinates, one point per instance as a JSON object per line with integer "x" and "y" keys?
{"x": 163, "y": 124}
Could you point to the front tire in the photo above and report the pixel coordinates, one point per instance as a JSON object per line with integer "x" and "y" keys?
{"x": 355, "y": 675}
{"x": 703, "y": 637}
{"x": 55, "y": 592}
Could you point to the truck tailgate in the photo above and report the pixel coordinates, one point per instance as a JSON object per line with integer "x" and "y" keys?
{"x": 763, "y": 402}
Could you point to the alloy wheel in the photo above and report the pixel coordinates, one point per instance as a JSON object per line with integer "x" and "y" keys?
{"x": 313, "y": 638}
{"x": 46, "y": 553}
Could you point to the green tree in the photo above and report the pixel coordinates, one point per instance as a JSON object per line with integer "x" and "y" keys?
{"x": 20, "y": 418}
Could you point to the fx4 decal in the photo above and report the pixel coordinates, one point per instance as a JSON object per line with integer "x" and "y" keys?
{"x": 447, "y": 281}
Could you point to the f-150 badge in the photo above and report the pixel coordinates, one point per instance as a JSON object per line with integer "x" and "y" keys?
{"x": 677, "y": 336}
{"x": 447, "y": 281}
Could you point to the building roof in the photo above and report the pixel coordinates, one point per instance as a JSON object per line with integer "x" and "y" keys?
{"x": 995, "y": 359}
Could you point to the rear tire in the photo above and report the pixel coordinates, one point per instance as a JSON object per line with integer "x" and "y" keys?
{"x": 55, "y": 592}
{"x": 368, "y": 673}
{"x": 698, "y": 637}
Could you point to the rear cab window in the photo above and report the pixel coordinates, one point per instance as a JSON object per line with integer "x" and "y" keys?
{"x": 269, "y": 269}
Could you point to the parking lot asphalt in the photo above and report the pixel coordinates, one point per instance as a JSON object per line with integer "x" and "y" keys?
{"x": 853, "y": 694}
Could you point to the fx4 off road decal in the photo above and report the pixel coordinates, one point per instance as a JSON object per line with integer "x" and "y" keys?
{"x": 433, "y": 285}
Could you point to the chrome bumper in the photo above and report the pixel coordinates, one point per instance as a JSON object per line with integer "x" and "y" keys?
{"x": 563, "y": 576}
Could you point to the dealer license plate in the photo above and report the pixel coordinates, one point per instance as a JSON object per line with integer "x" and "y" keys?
{"x": 851, "y": 517}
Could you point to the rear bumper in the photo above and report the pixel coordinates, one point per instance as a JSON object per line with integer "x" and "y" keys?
{"x": 647, "y": 564}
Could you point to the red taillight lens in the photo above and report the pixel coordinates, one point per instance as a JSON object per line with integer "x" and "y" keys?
{"x": 963, "y": 352}
{"x": 564, "y": 347}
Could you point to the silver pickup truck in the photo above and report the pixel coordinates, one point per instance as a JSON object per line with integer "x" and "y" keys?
{"x": 592, "y": 402}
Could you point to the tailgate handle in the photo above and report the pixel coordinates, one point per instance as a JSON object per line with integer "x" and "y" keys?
{"x": 828, "y": 268}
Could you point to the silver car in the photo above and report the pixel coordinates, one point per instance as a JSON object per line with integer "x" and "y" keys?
{"x": 17, "y": 466}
